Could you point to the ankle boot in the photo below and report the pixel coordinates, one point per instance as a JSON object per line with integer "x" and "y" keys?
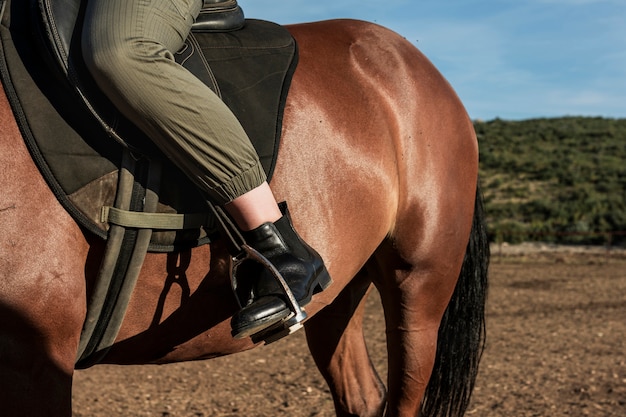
{"x": 263, "y": 301}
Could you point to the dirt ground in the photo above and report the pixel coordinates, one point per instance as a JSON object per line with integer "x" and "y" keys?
{"x": 556, "y": 323}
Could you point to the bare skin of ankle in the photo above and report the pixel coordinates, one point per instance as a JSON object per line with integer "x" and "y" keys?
{"x": 254, "y": 208}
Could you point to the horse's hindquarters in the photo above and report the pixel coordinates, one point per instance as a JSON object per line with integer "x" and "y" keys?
{"x": 406, "y": 154}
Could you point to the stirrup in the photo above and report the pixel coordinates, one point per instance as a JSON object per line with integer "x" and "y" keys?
{"x": 286, "y": 326}
{"x": 279, "y": 330}
{"x": 240, "y": 251}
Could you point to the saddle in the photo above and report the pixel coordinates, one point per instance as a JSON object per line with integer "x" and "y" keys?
{"x": 247, "y": 63}
{"x": 102, "y": 169}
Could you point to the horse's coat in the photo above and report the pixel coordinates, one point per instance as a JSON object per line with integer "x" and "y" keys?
{"x": 379, "y": 164}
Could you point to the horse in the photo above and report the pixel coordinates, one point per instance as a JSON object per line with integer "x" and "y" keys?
{"x": 379, "y": 163}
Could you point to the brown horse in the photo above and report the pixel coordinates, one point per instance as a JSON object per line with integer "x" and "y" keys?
{"x": 379, "y": 163}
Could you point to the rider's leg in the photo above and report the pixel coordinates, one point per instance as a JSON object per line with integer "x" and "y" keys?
{"x": 254, "y": 208}
{"x": 128, "y": 47}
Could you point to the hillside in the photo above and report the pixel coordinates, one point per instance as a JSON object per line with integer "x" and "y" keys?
{"x": 558, "y": 180}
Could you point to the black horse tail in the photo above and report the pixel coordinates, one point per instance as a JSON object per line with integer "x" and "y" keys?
{"x": 462, "y": 331}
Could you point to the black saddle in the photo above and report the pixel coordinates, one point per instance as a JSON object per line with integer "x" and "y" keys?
{"x": 248, "y": 63}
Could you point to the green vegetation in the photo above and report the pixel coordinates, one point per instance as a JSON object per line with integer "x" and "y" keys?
{"x": 559, "y": 180}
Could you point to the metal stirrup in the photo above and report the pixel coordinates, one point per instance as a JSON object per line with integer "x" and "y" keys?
{"x": 255, "y": 255}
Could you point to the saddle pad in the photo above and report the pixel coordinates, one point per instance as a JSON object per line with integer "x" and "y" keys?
{"x": 252, "y": 68}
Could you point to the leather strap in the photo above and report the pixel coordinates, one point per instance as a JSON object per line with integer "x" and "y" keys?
{"x": 158, "y": 221}
{"x": 3, "y": 3}
{"x": 124, "y": 255}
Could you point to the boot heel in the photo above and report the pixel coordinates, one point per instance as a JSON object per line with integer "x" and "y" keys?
{"x": 323, "y": 281}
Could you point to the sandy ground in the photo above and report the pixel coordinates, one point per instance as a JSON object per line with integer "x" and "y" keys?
{"x": 556, "y": 329}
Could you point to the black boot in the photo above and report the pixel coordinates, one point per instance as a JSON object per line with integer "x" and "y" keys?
{"x": 264, "y": 303}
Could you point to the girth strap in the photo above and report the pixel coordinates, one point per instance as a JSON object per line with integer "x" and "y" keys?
{"x": 124, "y": 255}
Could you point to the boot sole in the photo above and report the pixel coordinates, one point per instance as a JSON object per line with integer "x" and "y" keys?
{"x": 261, "y": 325}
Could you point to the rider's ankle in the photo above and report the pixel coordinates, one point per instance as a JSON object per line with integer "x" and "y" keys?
{"x": 254, "y": 208}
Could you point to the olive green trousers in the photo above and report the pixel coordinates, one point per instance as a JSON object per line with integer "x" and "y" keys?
{"x": 128, "y": 46}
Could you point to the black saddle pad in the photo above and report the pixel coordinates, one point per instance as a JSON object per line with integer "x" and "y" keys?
{"x": 252, "y": 69}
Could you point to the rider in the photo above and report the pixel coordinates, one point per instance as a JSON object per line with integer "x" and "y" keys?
{"x": 128, "y": 46}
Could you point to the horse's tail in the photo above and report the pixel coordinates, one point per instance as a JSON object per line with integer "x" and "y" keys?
{"x": 462, "y": 332}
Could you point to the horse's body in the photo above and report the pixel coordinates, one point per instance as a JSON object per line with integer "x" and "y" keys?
{"x": 379, "y": 164}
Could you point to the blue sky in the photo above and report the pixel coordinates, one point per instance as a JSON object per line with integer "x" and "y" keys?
{"x": 508, "y": 59}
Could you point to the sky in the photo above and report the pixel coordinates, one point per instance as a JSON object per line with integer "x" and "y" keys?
{"x": 506, "y": 59}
